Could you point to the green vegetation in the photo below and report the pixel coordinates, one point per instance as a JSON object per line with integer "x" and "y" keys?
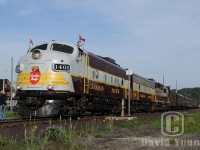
{"x": 91, "y": 127}
{"x": 11, "y": 114}
{"x": 191, "y": 123}
{"x": 61, "y": 137}
{"x": 192, "y": 93}
{"x": 135, "y": 123}
{"x": 67, "y": 137}
{"x": 98, "y": 136}
{"x": 110, "y": 125}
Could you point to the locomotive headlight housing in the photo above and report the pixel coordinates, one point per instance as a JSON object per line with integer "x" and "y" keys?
{"x": 49, "y": 102}
{"x": 19, "y": 68}
{"x": 50, "y": 87}
{"x": 36, "y": 54}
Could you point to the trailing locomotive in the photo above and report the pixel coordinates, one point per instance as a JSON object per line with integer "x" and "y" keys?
{"x": 59, "y": 79}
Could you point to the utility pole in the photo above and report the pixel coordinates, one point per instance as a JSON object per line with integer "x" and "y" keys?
{"x": 3, "y": 75}
{"x": 11, "y": 89}
{"x": 163, "y": 79}
{"x": 129, "y": 73}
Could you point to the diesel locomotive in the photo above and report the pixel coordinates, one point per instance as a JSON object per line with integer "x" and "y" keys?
{"x": 55, "y": 78}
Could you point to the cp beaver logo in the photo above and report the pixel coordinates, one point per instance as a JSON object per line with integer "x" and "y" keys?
{"x": 35, "y": 75}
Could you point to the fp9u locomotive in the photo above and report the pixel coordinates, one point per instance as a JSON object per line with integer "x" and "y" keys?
{"x": 55, "y": 78}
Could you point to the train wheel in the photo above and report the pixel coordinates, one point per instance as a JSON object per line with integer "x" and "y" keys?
{"x": 133, "y": 108}
{"x": 117, "y": 108}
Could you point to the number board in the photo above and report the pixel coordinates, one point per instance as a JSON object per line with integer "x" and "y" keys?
{"x": 61, "y": 67}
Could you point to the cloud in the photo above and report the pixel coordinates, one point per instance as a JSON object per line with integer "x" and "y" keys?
{"x": 163, "y": 20}
{"x": 154, "y": 37}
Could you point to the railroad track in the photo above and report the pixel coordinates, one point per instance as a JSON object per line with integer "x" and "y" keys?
{"x": 9, "y": 123}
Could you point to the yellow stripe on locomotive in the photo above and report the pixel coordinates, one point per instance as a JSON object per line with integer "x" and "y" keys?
{"x": 47, "y": 78}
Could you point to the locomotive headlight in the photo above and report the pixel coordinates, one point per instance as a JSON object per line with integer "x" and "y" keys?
{"x": 48, "y": 102}
{"x": 36, "y": 54}
{"x": 50, "y": 87}
{"x": 19, "y": 68}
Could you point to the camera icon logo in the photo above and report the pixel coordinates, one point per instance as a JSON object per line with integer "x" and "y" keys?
{"x": 172, "y": 123}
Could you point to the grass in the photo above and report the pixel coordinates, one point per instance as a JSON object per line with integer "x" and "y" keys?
{"x": 67, "y": 137}
{"x": 47, "y": 139}
{"x": 31, "y": 142}
{"x": 136, "y": 123}
{"x": 11, "y": 114}
{"x": 109, "y": 126}
{"x": 191, "y": 123}
{"x": 92, "y": 127}
{"x": 62, "y": 137}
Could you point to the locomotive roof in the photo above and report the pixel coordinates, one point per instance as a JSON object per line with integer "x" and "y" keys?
{"x": 103, "y": 64}
{"x": 50, "y": 43}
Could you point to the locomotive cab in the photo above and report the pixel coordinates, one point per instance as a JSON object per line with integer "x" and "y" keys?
{"x": 43, "y": 63}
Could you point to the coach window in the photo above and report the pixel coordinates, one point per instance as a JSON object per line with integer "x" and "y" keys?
{"x": 97, "y": 74}
{"x": 62, "y": 48}
{"x": 93, "y": 74}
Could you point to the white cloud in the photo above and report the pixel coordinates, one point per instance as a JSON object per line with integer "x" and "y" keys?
{"x": 155, "y": 37}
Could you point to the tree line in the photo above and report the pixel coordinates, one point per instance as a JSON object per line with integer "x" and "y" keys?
{"x": 192, "y": 93}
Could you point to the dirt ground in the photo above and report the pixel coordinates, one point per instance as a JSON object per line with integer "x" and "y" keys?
{"x": 145, "y": 137}
{"x": 141, "y": 137}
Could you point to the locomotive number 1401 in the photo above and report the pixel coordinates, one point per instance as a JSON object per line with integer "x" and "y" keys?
{"x": 61, "y": 67}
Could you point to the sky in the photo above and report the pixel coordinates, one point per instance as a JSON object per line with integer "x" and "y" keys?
{"x": 153, "y": 38}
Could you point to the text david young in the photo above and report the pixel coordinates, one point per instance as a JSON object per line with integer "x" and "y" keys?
{"x": 169, "y": 142}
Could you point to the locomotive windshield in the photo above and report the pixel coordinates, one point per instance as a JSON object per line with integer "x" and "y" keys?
{"x": 62, "y": 48}
{"x": 40, "y": 47}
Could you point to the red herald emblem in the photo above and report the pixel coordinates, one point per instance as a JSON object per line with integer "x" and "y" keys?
{"x": 35, "y": 75}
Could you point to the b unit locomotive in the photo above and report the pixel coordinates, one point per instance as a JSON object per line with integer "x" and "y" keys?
{"x": 59, "y": 79}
